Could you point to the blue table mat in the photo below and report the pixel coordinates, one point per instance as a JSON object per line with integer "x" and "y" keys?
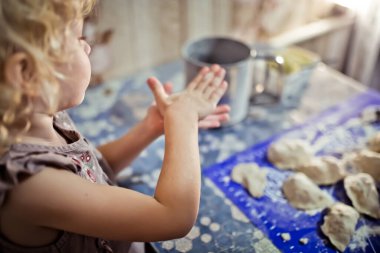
{"x": 334, "y": 131}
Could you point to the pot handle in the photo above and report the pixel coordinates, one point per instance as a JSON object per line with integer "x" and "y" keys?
{"x": 262, "y": 92}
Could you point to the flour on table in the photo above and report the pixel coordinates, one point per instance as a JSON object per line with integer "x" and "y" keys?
{"x": 368, "y": 162}
{"x": 339, "y": 225}
{"x": 251, "y": 177}
{"x": 290, "y": 153}
{"x": 361, "y": 189}
{"x": 302, "y": 193}
{"x": 325, "y": 170}
{"x": 360, "y": 240}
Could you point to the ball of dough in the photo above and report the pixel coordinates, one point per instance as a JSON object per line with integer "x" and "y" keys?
{"x": 290, "y": 153}
{"x": 325, "y": 170}
{"x": 240, "y": 170}
{"x": 361, "y": 189}
{"x": 374, "y": 143}
{"x": 302, "y": 193}
{"x": 339, "y": 225}
{"x": 251, "y": 177}
{"x": 368, "y": 162}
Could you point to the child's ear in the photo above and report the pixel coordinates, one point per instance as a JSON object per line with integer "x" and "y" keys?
{"x": 18, "y": 69}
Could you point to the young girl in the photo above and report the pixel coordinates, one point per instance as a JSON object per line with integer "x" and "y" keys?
{"x": 56, "y": 190}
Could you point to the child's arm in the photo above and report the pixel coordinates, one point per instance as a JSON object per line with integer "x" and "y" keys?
{"x": 121, "y": 152}
{"x": 61, "y": 200}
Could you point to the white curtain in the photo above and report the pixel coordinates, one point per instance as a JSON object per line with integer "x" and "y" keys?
{"x": 365, "y": 44}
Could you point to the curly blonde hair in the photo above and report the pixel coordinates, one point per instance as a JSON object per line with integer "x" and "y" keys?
{"x": 38, "y": 28}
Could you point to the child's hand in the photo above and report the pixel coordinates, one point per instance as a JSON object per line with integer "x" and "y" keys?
{"x": 220, "y": 115}
{"x": 153, "y": 119}
{"x": 201, "y": 96}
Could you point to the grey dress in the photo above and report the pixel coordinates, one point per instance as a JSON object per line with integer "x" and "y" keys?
{"x": 79, "y": 157}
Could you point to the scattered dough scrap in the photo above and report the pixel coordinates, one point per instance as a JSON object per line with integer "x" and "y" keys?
{"x": 371, "y": 114}
{"x": 374, "y": 143}
{"x": 339, "y": 225}
{"x": 361, "y": 189}
{"x": 326, "y": 170}
{"x": 290, "y": 153}
{"x": 368, "y": 162}
{"x": 304, "y": 241}
{"x": 251, "y": 177}
{"x": 285, "y": 237}
{"x": 302, "y": 193}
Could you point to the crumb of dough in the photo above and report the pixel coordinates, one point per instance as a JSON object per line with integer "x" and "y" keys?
{"x": 289, "y": 154}
{"x": 285, "y": 237}
{"x": 304, "y": 241}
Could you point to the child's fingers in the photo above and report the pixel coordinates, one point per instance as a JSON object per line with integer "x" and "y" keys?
{"x": 218, "y": 93}
{"x": 214, "y": 120}
{"x": 157, "y": 89}
{"x": 222, "y": 109}
{"x": 208, "y": 124}
{"x": 198, "y": 78}
{"x": 208, "y": 78}
{"x": 215, "y": 83}
{"x": 168, "y": 87}
{"x": 215, "y": 67}
{"x": 223, "y": 117}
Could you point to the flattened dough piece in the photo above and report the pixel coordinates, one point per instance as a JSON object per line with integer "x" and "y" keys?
{"x": 324, "y": 170}
{"x": 251, "y": 177}
{"x": 361, "y": 189}
{"x": 302, "y": 193}
{"x": 290, "y": 153}
{"x": 374, "y": 143}
{"x": 339, "y": 225}
{"x": 368, "y": 162}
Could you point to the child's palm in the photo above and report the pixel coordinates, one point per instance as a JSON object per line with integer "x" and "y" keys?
{"x": 201, "y": 95}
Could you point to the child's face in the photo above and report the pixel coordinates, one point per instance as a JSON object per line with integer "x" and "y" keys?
{"x": 77, "y": 71}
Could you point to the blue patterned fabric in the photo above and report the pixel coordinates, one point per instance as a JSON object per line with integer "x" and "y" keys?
{"x": 109, "y": 110}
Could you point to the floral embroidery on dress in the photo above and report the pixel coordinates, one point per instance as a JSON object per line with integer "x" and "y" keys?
{"x": 86, "y": 162}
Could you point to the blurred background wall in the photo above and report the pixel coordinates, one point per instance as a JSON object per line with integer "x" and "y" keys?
{"x": 130, "y": 35}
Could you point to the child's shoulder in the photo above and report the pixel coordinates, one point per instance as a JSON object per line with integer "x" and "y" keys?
{"x": 23, "y": 160}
